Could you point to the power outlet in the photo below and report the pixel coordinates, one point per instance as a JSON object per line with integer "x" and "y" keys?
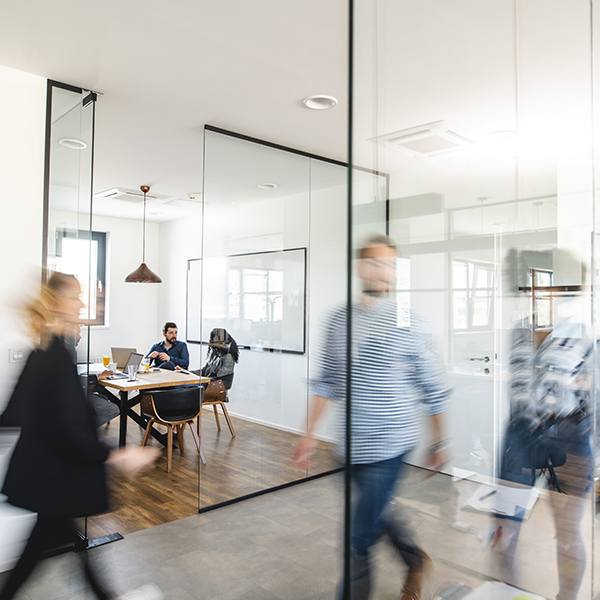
{"x": 16, "y": 355}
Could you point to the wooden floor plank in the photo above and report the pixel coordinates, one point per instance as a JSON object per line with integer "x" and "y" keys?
{"x": 256, "y": 459}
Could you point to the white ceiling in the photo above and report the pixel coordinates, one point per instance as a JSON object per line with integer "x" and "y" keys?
{"x": 166, "y": 69}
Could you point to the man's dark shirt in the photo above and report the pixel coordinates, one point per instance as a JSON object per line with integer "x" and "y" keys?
{"x": 178, "y": 354}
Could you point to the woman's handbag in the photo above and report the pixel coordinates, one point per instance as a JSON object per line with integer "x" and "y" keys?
{"x": 215, "y": 392}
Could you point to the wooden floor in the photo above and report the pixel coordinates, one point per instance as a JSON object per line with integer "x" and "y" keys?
{"x": 256, "y": 459}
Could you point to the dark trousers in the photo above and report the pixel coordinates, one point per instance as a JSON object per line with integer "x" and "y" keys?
{"x": 48, "y": 533}
{"x": 374, "y": 484}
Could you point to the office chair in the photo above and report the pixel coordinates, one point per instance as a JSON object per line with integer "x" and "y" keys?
{"x": 526, "y": 451}
{"x": 175, "y": 409}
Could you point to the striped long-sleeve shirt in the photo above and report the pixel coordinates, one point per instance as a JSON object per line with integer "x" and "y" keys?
{"x": 394, "y": 368}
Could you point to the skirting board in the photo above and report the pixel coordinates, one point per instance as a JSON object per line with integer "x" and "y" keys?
{"x": 321, "y": 438}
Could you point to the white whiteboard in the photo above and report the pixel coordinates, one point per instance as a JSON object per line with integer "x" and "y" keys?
{"x": 259, "y": 298}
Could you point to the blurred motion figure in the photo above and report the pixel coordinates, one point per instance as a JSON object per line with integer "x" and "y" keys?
{"x": 394, "y": 368}
{"x": 58, "y": 466}
{"x": 551, "y": 425}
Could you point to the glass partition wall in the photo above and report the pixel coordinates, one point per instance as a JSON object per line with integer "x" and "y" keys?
{"x": 68, "y": 244}
{"x": 481, "y": 113}
{"x": 68, "y": 199}
{"x": 273, "y": 264}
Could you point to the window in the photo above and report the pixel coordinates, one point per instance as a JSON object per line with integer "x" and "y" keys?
{"x": 85, "y": 258}
{"x": 472, "y": 295}
{"x": 541, "y": 299}
{"x": 257, "y": 293}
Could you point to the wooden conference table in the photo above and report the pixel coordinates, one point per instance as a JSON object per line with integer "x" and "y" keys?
{"x": 149, "y": 380}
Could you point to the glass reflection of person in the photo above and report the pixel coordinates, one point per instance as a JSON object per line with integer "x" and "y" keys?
{"x": 57, "y": 468}
{"x": 393, "y": 369}
{"x": 550, "y": 426}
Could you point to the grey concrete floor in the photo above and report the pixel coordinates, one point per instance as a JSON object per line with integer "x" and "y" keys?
{"x": 283, "y": 545}
{"x": 286, "y": 545}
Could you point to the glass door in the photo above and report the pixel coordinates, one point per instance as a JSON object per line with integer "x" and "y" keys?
{"x": 485, "y": 134}
{"x": 69, "y": 246}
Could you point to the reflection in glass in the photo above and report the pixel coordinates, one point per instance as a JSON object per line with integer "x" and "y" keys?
{"x": 486, "y": 232}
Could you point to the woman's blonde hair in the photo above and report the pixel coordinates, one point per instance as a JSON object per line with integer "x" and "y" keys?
{"x": 39, "y": 311}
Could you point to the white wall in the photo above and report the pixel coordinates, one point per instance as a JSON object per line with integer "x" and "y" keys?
{"x": 181, "y": 240}
{"x": 22, "y": 118}
{"x": 132, "y": 307}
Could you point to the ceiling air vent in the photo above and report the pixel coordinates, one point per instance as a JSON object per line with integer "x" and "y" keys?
{"x": 430, "y": 139}
{"x": 128, "y": 195}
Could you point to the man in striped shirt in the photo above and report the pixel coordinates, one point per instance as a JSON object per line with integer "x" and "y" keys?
{"x": 393, "y": 370}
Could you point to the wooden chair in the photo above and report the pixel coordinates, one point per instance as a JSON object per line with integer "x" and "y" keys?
{"x": 219, "y": 397}
{"x": 175, "y": 409}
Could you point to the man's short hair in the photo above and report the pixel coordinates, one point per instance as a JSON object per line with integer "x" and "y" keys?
{"x": 376, "y": 240}
{"x": 169, "y": 325}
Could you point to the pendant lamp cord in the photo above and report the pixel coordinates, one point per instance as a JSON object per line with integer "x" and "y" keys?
{"x": 144, "y": 233}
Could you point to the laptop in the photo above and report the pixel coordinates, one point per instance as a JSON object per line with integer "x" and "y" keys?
{"x": 121, "y": 356}
{"x": 134, "y": 359}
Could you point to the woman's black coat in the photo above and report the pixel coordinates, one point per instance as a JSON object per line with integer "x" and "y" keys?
{"x": 57, "y": 468}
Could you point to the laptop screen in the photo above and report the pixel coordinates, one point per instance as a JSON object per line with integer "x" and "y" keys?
{"x": 134, "y": 359}
{"x": 121, "y": 356}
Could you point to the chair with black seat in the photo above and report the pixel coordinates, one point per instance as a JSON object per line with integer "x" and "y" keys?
{"x": 526, "y": 452}
{"x": 174, "y": 408}
{"x": 216, "y": 395}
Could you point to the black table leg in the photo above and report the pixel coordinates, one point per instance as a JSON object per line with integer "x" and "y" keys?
{"x": 123, "y": 395}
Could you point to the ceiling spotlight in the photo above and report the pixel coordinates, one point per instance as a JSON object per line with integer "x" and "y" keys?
{"x": 194, "y": 195}
{"x": 72, "y": 143}
{"x": 502, "y": 144}
{"x": 268, "y": 186}
{"x": 319, "y": 102}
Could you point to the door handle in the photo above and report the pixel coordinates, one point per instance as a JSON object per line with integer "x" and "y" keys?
{"x": 485, "y": 359}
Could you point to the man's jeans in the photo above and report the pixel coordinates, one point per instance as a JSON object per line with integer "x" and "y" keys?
{"x": 372, "y": 490}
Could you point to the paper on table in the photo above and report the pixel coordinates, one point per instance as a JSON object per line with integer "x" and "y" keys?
{"x": 459, "y": 474}
{"x": 508, "y": 501}
{"x": 493, "y": 590}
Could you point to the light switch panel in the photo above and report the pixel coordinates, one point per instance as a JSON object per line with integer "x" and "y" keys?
{"x": 16, "y": 355}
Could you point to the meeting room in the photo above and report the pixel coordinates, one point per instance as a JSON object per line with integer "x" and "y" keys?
{"x": 177, "y": 304}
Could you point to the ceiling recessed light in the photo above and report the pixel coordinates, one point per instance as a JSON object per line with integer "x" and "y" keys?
{"x": 319, "y": 102}
{"x": 72, "y": 143}
{"x": 268, "y": 186}
{"x": 502, "y": 144}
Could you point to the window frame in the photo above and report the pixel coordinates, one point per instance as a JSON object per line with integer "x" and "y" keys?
{"x": 471, "y": 294}
{"x": 101, "y": 295}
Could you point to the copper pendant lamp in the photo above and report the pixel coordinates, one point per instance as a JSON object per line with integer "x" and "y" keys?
{"x": 143, "y": 274}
